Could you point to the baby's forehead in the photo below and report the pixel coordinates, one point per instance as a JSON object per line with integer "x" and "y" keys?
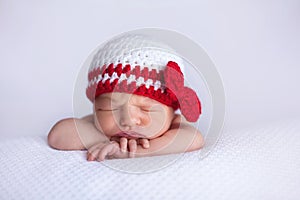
{"x": 116, "y": 97}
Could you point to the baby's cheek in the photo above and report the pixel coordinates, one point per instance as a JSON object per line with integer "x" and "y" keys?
{"x": 106, "y": 122}
{"x": 146, "y": 119}
{"x": 157, "y": 126}
{"x": 97, "y": 123}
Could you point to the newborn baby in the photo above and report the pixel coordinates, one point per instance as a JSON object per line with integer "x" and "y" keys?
{"x": 135, "y": 86}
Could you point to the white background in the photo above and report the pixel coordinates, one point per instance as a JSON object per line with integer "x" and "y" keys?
{"x": 255, "y": 45}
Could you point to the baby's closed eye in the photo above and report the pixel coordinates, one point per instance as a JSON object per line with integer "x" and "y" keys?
{"x": 150, "y": 109}
{"x": 107, "y": 109}
{"x": 146, "y": 109}
{"x": 153, "y": 107}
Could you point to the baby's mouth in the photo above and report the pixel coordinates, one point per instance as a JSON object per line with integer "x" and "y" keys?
{"x": 130, "y": 135}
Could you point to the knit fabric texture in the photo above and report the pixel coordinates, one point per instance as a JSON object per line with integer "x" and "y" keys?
{"x": 138, "y": 64}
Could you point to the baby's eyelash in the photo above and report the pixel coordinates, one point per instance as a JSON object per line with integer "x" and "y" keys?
{"x": 148, "y": 110}
{"x": 114, "y": 109}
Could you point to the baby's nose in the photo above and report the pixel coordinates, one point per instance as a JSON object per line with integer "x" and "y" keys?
{"x": 130, "y": 117}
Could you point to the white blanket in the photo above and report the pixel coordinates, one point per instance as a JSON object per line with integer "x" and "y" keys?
{"x": 256, "y": 163}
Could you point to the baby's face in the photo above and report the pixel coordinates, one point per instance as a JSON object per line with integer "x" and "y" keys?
{"x": 132, "y": 116}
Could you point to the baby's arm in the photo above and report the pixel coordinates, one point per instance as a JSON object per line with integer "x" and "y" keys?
{"x": 181, "y": 137}
{"x": 64, "y": 134}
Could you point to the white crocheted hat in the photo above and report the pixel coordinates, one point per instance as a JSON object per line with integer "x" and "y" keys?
{"x": 138, "y": 64}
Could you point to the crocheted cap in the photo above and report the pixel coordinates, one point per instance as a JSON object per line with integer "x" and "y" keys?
{"x": 138, "y": 64}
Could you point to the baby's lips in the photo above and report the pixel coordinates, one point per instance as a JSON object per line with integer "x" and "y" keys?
{"x": 122, "y": 134}
{"x": 131, "y": 135}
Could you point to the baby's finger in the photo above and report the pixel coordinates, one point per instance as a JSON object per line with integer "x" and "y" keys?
{"x": 93, "y": 148}
{"x": 103, "y": 153}
{"x": 145, "y": 143}
{"x": 107, "y": 150}
{"x": 91, "y": 155}
{"x": 123, "y": 144}
{"x": 114, "y": 150}
{"x": 132, "y": 147}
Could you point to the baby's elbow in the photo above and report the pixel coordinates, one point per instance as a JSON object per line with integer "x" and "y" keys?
{"x": 198, "y": 142}
{"x": 55, "y": 135}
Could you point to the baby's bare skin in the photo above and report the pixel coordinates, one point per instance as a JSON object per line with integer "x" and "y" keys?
{"x": 126, "y": 126}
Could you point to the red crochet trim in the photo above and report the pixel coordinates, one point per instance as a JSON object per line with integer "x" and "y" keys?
{"x": 175, "y": 94}
{"x": 126, "y": 70}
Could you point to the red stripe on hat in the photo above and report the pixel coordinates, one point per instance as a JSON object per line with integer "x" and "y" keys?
{"x": 145, "y": 73}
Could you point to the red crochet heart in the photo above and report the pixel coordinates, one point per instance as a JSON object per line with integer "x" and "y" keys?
{"x": 173, "y": 76}
{"x": 190, "y": 105}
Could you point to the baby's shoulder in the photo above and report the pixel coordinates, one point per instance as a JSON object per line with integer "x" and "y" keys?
{"x": 178, "y": 119}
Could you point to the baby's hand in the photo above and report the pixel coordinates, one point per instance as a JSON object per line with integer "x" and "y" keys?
{"x": 100, "y": 151}
{"x": 131, "y": 144}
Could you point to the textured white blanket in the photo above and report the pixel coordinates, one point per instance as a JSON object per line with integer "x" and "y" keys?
{"x": 256, "y": 163}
